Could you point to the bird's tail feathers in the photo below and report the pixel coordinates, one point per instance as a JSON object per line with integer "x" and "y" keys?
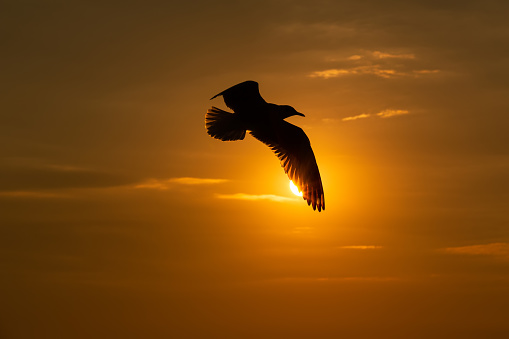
{"x": 223, "y": 125}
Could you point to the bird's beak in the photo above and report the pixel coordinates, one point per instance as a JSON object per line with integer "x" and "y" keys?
{"x": 302, "y": 115}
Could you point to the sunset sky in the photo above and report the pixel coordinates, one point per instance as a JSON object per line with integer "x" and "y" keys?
{"x": 121, "y": 218}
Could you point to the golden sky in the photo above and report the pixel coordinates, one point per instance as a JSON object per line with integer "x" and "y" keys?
{"x": 121, "y": 218}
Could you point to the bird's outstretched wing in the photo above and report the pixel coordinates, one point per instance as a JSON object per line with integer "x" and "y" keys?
{"x": 292, "y": 147}
{"x": 243, "y": 96}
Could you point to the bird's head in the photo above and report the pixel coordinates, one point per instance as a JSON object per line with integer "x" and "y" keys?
{"x": 287, "y": 111}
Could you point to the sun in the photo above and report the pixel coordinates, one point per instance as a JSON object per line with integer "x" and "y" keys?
{"x": 295, "y": 189}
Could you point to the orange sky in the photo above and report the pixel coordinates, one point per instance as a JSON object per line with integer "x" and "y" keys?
{"x": 121, "y": 218}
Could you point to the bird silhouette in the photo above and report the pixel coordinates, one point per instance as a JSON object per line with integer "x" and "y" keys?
{"x": 265, "y": 122}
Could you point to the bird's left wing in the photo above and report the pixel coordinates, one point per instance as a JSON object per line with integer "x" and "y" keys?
{"x": 291, "y": 145}
{"x": 243, "y": 96}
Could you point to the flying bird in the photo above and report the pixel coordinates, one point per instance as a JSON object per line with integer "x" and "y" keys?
{"x": 266, "y": 122}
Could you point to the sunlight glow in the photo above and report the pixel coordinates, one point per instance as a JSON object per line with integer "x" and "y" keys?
{"x": 294, "y": 189}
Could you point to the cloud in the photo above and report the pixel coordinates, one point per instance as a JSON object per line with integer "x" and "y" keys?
{"x": 334, "y": 279}
{"x": 355, "y": 117}
{"x": 382, "y": 64}
{"x": 387, "y": 113}
{"x": 330, "y": 120}
{"x": 243, "y": 196}
{"x": 154, "y": 184}
{"x": 165, "y": 184}
{"x": 362, "y": 247}
{"x": 426, "y": 71}
{"x": 381, "y": 55}
{"x": 355, "y": 57}
{"x": 196, "y": 181}
{"x": 330, "y": 73}
{"x": 498, "y": 249}
{"x": 377, "y": 70}
{"x": 369, "y": 69}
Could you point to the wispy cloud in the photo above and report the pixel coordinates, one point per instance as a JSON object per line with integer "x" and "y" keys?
{"x": 324, "y": 280}
{"x": 369, "y": 69}
{"x": 355, "y": 57}
{"x": 386, "y": 113}
{"x": 196, "y": 181}
{"x": 372, "y": 69}
{"x": 361, "y": 247}
{"x": 355, "y": 117}
{"x": 243, "y": 196}
{"x": 154, "y": 184}
{"x": 381, "y": 64}
{"x": 498, "y": 249}
{"x": 329, "y": 73}
{"x": 382, "y": 55}
{"x": 164, "y": 184}
{"x": 426, "y": 71}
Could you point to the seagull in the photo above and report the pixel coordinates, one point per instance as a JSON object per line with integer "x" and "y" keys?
{"x": 266, "y": 122}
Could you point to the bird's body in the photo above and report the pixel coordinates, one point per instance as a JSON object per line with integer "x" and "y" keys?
{"x": 265, "y": 122}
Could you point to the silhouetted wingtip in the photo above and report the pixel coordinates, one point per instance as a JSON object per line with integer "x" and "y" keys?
{"x": 315, "y": 200}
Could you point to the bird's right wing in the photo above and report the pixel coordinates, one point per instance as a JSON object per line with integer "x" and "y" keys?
{"x": 291, "y": 145}
{"x": 243, "y": 96}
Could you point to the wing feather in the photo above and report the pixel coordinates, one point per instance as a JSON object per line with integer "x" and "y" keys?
{"x": 291, "y": 145}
